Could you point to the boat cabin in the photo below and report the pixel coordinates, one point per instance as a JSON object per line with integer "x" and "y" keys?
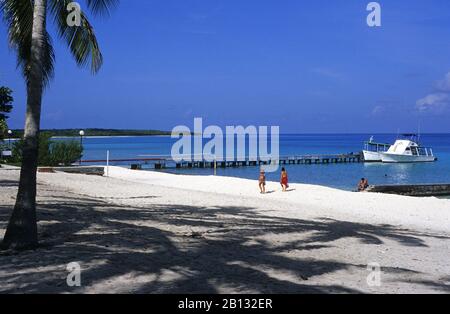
{"x": 409, "y": 148}
{"x": 376, "y": 147}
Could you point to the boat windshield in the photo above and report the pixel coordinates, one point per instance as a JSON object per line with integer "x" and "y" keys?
{"x": 423, "y": 151}
{"x": 376, "y": 147}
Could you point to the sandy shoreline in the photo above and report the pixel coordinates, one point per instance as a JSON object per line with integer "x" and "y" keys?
{"x": 153, "y": 232}
{"x": 368, "y": 207}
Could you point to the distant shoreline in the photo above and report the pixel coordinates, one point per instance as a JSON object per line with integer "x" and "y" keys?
{"x": 91, "y": 132}
{"x": 109, "y": 136}
{"x": 136, "y": 132}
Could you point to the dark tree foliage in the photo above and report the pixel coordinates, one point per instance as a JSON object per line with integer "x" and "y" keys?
{"x": 6, "y": 101}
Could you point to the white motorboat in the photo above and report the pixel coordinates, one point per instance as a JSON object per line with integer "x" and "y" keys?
{"x": 408, "y": 150}
{"x": 372, "y": 150}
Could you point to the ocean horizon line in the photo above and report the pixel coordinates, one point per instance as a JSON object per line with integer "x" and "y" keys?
{"x": 281, "y": 134}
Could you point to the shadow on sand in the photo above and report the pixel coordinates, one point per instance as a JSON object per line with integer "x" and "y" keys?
{"x": 222, "y": 249}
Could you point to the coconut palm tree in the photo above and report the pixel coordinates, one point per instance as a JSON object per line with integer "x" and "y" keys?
{"x": 26, "y": 21}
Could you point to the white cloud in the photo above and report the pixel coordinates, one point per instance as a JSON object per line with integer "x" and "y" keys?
{"x": 439, "y": 100}
{"x": 329, "y": 73}
{"x": 377, "y": 110}
{"x": 435, "y": 102}
{"x": 444, "y": 85}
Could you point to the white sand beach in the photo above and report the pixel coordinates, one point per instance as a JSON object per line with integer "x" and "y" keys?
{"x": 153, "y": 232}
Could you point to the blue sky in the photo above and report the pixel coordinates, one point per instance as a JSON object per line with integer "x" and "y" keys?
{"x": 308, "y": 66}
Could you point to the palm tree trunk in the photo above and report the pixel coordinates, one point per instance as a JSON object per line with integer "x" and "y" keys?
{"x": 21, "y": 232}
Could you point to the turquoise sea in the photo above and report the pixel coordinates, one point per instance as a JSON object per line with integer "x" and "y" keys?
{"x": 344, "y": 176}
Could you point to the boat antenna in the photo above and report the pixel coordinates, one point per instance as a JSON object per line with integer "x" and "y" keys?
{"x": 418, "y": 133}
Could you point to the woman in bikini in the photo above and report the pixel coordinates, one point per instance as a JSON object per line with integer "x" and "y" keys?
{"x": 262, "y": 181}
{"x": 284, "y": 179}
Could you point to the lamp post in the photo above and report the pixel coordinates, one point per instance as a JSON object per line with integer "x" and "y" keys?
{"x": 81, "y": 141}
{"x": 9, "y": 138}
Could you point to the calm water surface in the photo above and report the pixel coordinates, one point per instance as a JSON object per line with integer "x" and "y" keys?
{"x": 344, "y": 176}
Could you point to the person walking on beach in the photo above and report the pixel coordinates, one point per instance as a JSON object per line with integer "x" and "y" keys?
{"x": 262, "y": 181}
{"x": 284, "y": 179}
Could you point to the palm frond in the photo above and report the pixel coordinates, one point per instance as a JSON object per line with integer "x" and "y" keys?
{"x": 101, "y": 7}
{"x": 18, "y": 15}
{"x": 81, "y": 40}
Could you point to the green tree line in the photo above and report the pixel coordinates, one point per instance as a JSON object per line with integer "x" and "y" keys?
{"x": 51, "y": 153}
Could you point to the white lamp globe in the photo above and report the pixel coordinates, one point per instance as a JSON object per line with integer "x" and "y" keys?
{"x": 9, "y": 132}
{"x": 81, "y": 133}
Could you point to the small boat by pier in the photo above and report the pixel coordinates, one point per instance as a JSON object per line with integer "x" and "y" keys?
{"x": 408, "y": 150}
{"x": 372, "y": 150}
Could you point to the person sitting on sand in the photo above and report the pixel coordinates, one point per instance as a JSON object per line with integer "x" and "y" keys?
{"x": 366, "y": 184}
{"x": 284, "y": 180}
{"x": 363, "y": 185}
{"x": 262, "y": 181}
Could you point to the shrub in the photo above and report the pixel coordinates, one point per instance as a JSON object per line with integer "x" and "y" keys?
{"x": 64, "y": 153}
{"x": 51, "y": 153}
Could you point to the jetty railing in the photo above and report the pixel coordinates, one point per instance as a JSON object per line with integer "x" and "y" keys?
{"x": 162, "y": 162}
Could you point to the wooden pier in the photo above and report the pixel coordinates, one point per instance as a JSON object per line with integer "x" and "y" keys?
{"x": 163, "y": 162}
